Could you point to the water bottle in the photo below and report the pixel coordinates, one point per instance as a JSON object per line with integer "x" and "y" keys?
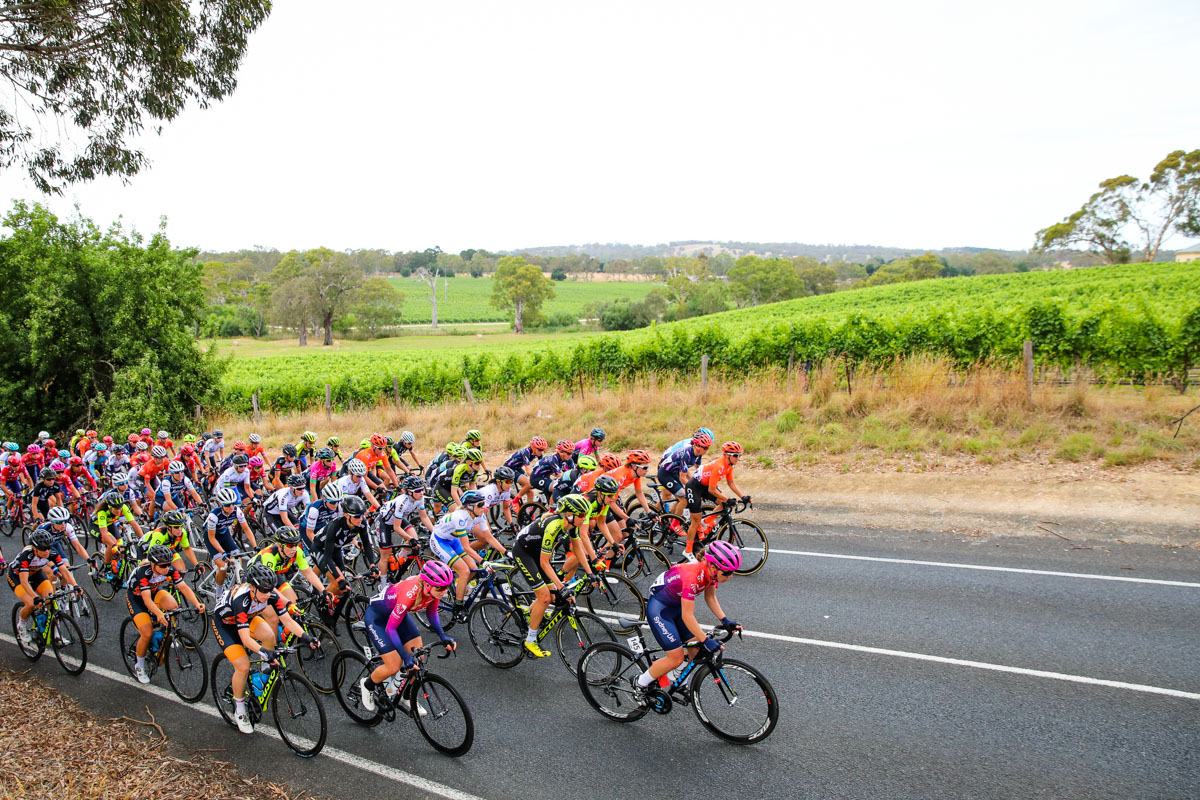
{"x": 393, "y": 684}
{"x": 258, "y": 681}
{"x": 40, "y": 619}
{"x": 155, "y": 641}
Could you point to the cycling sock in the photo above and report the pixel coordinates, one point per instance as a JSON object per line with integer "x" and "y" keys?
{"x": 239, "y": 705}
{"x": 645, "y": 679}
{"x": 141, "y": 662}
{"x": 532, "y": 635}
{"x": 370, "y": 684}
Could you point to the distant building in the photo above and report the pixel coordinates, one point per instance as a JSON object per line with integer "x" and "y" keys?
{"x": 1188, "y": 253}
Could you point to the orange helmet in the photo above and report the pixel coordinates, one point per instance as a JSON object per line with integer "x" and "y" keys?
{"x": 239, "y": 446}
{"x": 538, "y": 443}
{"x": 565, "y": 447}
{"x": 608, "y": 461}
{"x": 731, "y": 448}
{"x": 378, "y": 440}
{"x": 637, "y": 457}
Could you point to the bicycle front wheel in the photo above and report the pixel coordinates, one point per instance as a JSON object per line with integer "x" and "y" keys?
{"x": 576, "y": 633}
{"x": 105, "y": 587}
{"x": 299, "y": 715}
{"x": 607, "y": 674}
{"x": 187, "y": 671}
{"x": 442, "y": 715}
{"x": 69, "y": 647}
{"x": 497, "y": 633}
{"x": 616, "y": 596}
{"x": 747, "y": 536}
{"x": 738, "y": 705}
{"x": 83, "y": 613}
{"x": 347, "y": 672}
{"x": 128, "y": 640}
{"x": 315, "y": 663}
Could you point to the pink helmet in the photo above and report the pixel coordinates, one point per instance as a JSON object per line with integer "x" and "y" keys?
{"x": 256, "y": 461}
{"x": 145, "y": 431}
{"x": 435, "y": 573}
{"x": 57, "y": 465}
{"x": 34, "y": 448}
{"x": 723, "y": 556}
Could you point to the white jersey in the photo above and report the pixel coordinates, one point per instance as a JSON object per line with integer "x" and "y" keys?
{"x": 348, "y": 486}
{"x": 399, "y": 507}
{"x": 282, "y": 500}
{"x": 456, "y": 523}
{"x": 492, "y": 496}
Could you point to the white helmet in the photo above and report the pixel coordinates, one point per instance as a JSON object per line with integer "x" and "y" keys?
{"x": 163, "y": 435}
{"x": 356, "y": 467}
{"x": 43, "y": 434}
{"x": 58, "y": 514}
{"x": 254, "y": 438}
{"x": 175, "y": 467}
{"x": 227, "y": 497}
{"x": 407, "y": 437}
{"x": 120, "y": 479}
{"x": 332, "y": 493}
{"x": 159, "y": 451}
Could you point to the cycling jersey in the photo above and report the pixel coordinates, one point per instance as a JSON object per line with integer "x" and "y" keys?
{"x": 283, "y": 501}
{"x": 285, "y": 465}
{"x": 714, "y": 472}
{"x": 27, "y": 561}
{"x": 320, "y": 471}
{"x": 492, "y": 496}
{"x": 317, "y": 516}
{"x": 587, "y": 480}
{"x": 218, "y": 522}
{"x": 549, "y": 466}
{"x": 681, "y": 460}
{"x": 176, "y": 489}
{"x": 350, "y": 485}
{"x": 463, "y": 474}
{"x": 585, "y": 447}
{"x": 238, "y": 606}
{"x": 43, "y": 491}
{"x": 145, "y": 579}
{"x": 161, "y": 536}
{"x": 520, "y": 459}
{"x": 232, "y": 479}
{"x": 151, "y": 468}
{"x": 337, "y": 535}
{"x": 399, "y": 507}
{"x": 372, "y": 459}
{"x": 681, "y": 582}
{"x": 77, "y": 474}
{"x": 273, "y": 557}
{"x": 544, "y": 533}
{"x": 388, "y": 623}
{"x": 105, "y": 515}
{"x": 624, "y": 477}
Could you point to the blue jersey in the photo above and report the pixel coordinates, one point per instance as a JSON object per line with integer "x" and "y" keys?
{"x": 551, "y": 465}
{"x": 678, "y": 460}
{"x": 520, "y": 459}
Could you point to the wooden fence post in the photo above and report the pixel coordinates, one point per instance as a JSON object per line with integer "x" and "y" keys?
{"x": 704, "y": 371}
{"x": 581, "y": 397}
{"x": 396, "y": 389}
{"x": 328, "y": 403}
{"x": 470, "y": 395}
{"x": 1029, "y": 370}
{"x": 791, "y": 363}
{"x": 254, "y": 402}
{"x": 197, "y": 412}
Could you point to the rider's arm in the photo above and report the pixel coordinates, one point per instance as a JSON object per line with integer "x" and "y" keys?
{"x": 688, "y": 613}
{"x": 710, "y": 597}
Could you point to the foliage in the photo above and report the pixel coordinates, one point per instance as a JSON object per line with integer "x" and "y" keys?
{"x": 316, "y": 286}
{"x": 377, "y": 304}
{"x": 522, "y": 288}
{"x": 103, "y": 69}
{"x": 755, "y": 280}
{"x": 97, "y": 328}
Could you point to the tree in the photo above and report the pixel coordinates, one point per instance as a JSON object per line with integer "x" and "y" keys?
{"x": 754, "y": 280}
{"x": 817, "y": 278}
{"x": 1168, "y": 202}
{"x": 377, "y": 303}
{"x": 901, "y": 270}
{"x": 522, "y": 288}
{"x": 127, "y": 358}
{"x": 315, "y": 286}
{"x": 104, "y": 69}
{"x": 430, "y": 279}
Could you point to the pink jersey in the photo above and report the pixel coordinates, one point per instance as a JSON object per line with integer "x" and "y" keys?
{"x": 319, "y": 472}
{"x": 681, "y": 582}
{"x": 397, "y": 599}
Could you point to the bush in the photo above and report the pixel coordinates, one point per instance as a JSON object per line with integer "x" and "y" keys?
{"x": 558, "y": 275}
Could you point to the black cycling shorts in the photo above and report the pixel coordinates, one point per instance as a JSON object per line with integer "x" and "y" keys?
{"x": 697, "y": 495}
{"x": 530, "y": 565}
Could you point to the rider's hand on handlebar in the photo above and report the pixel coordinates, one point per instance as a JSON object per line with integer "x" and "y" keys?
{"x": 711, "y": 645}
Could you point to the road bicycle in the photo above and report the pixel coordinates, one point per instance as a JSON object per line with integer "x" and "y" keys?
{"x": 438, "y": 709}
{"x": 16, "y": 515}
{"x": 295, "y": 705}
{"x": 51, "y": 626}
{"x": 730, "y": 698}
{"x": 105, "y": 578}
{"x": 671, "y": 531}
{"x": 172, "y": 648}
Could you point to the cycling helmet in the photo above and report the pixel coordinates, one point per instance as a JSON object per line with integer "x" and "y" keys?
{"x": 356, "y": 467}
{"x": 79, "y": 431}
{"x": 538, "y": 443}
{"x": 49, "y": 444}
{"x": 702, "y": 440}
{"x": 159, "y": 555}
{"x": 189, "y": 437}
{"x": 239, "y": 446}
{"x": 227, "y": 497}
{"x": 637, "y": 457}
{"x": 91, "y": 434}
{"x": 286, "y": 534}
{"x": 159, "y": 451}
{"x": 451, "y": 447}
{"x": 100, "y": 447}
{"x": 435, "y": 573}
{"x": 732, "y": 448}
{"x": 587, "y": 463}
{"x": 141, "y": 447}
{"x": 176, "y": 467}
{"x": 75, "y": 461}
{"x": 43, "y": 434}
{"x": 325, "y": 453}
{"x": 187, "y": 450}
{"x": 354, "y": 506}
{"x": 597, "y": 433}
{"x": 42, "y": 539}
{"x": 256, "y": 461}
{"x": 175, "y": 518}
{"x": 254, "y": 438}
{"x": 239, "y": 460}
{"x": 140, "y": 458}
{"x": 289, "y": 450}
{"x": 414, "y": 483}
{"x": 365, "y": 443}
{"x": 473, "y": 456}
{"x": 707, "y": 432}
{"x": 333, "y": 441}
{"x": 218, "y": 434}
{"x": 308, "y": 436}
{"x": 565, "y": 447}
{"x": 64, "y": 454}
{"x": 145, "y": 431}
{"x": 58, "y": 514}
{"x": 607, "y": 484}
{"x": 505, "y": 474}
{"x": 332, "y": 493}
{"x": 13, "y": 446}
{"x": 609, "y": 461}
{"x": 407, "y": 437}
{"x": 57, "y": 465}
{"x": 112, "y": 499}
{"x": 34, "y": 448}
{"x": 459, "y": 453}
{"x": 723, "y": 556}
{"x": 163, "y": 435}
{"x": 107, "y": 440}
{"x": 390, "y": 441}
{"x": 473, "y": 435}
{"x": 471, "y": 498}
{"x": 261, "y": 577}
{"x": 131, "y": 438}
{"x": 377, "y": 440}
{"x": 296, "y": 481}
{"x": 120, "y": 479}
{"x": 574, "y": 504}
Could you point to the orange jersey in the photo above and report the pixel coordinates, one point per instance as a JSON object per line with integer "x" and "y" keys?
{"x": 369, "y": 457}
{"x": 624, "y": 477}
{"x": 152, "y": 467}
{"x": 716, "y": 471}
{"x": 587, "y": 480}
{"x": 165, "y": 443}
{"x": 256, "y": 450}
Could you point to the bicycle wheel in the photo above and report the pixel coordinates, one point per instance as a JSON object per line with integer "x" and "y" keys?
{"x": 497, "y": 633}
{"x": 644, "y": 565}
{"x": 105, "y": 587}
{"x": 668, "y": 530}
{"x": 607, "y": 674}
{"x": 353, "y": 613}
{"x": 446, "y": 722}
{"x": 616, "y": 596}
{"x": 738, "y": 705}
{"x": 349, "y": 668}
{"x": 577, "y": 633}
{"x": 69, "y": 647}
{"x": 750, "y": 538}
{"x": 528, "y": 512}
{"x": 187, "y": 671}
{"x": 314, "y": 664}
{"x": 128, "y": 640}
{"x": 82, "y": 610}
{"x": 192, "y": 622}
{"x": 220, "y": 678}
{"x": 6, "y": 524}
{"x": 299, "y": 715}
{"x": 37, "y": 645}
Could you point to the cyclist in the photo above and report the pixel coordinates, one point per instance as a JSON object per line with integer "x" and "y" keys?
{"x": 239, "y": 628}
{"x": 15, "y": 479}
{"x": 94, "y": 459}
{"x": 236, "y": 478}
{"x": 355, "y": 483}
{"x": 287, "y": 559}
{"x": 703, "y": 487}
{"x": 319, "y": 514}
{"x": 450, "y": 539}
{"x": 176, "y": 487}
{"x": 533, "y": 548}
{"x": 435, "y": 464}
{"x": 256, "y": 474}
{"x": 499, "y": 492}
{"x": 404, "y": 447}
{"x": 214, "y": 450}
{"x": 637, "y": 464}
{"x": 285, "y": 466}
{"x": 172, "y": 534}
{"x": 548, "y": 468}
{"x": 146, "y": 597}
{"x": 393, "y": 634}
{"x": 591, "y": 445}
{"x": 28, "y": 580}
{"x": 46, "y": 493}
{"x": 671, "y": 609}
{"x": 521, "y": 462}
{"x": 569, "y": 480}
{"x": 323, "y": 470}
{"x": 164, "y": 441}
{"x": 395, "y": 520}
{"x": 109, "y": 507}
{"x": 375, "y": 459}
{"x": 255, "y": 447}
{"x": 224, "y": 516}
{"x": 58, "y": 523}
{"x": 284, "y": 506}
{"x": 676, "y": 465}
{"x": 334, "y": 444}
{"x": 463, "y": 478}
{"x": 306, "y": 449}
{"x": 331, "y": 542}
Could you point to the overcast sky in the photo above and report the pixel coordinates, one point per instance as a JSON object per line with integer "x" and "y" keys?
{"x": 404, "y": 125}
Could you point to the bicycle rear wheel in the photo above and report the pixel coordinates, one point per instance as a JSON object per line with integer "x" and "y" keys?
{"x": 577, "y": 633}
{"x": 128, "y": 640}
{"x": 299, "y": 715}
{"x": 69, "y": 647}
{"x": 739, "y": 705}
{"x": 746, "y": 535}
{"x": 644, "y": 565}
{"x": 497, "y": 633}
{"x": 607, "y": 674}
{"x": 616, "y": 596}
{"x": 529, "y": 512}
{"x": 37, "y": 645}
{"x": 314, "y": 664}
{"x": 669, "y": 530}
{"x": 194, "y": 623}
{"x": 446, "y": 722}
{"x": 82, "y": 610}
{"x": 187, "y": 671}
{"x": 353, "y": 613}
{"x": 349, "y": 668}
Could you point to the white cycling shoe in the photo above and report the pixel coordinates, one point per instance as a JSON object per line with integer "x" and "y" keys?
{"x": 140, "y": 674}
{"x": 243, "y": 723}
{"x": 366, "y": 697}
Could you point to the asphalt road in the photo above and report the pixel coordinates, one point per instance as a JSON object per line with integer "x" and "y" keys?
{"x": 895, "y": 679}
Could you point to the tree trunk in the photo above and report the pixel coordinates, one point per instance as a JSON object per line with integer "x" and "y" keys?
{"x": 518, "y": 323}
{"x": 433, "y": 302}
{"x": 304, "y": 333}
{"x": 327, "y": 324}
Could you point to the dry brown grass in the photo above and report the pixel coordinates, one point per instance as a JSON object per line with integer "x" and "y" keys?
{"x": 919, "y": 412}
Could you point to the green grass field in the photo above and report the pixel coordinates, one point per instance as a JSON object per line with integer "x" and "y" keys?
{"x": 497, "y": 339}
{"x": 468, "y": 298}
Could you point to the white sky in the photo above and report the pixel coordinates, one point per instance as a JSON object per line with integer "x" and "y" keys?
{"x": 403, "y": 125}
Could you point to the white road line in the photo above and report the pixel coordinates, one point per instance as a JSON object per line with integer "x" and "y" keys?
{"x": 962, "y": 662}
{"x": 383, "y": 771}
{"x": 1052, "y": 573}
